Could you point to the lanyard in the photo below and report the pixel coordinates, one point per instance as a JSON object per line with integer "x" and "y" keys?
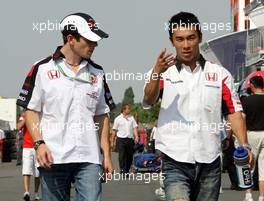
{"x": 88, "y": 75}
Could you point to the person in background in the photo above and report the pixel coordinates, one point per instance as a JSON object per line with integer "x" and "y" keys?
{"x": 19, "y": 140}
{"x": 29, "y": 160}
{"x": 2, "y": 138}
{"x": 253, "y": 112}
{"x": 126, "y": 134}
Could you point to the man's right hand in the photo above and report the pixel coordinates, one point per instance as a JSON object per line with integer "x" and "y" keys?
{"x": 164, "y": 61}
{"x": 44, "y": 156}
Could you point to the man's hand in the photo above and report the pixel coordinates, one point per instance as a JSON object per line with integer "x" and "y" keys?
{"x": 238, "y": 125}
{"x": 113, "y": 140}
{"x": 44, "y": 156}
{"x": 251, "y": 159}
{"x": 136, "y": 139}
{"x": 108, "y": 168}
{"x": 112, "y": 144}
{"x": 151, "y": 91}
{"x": 225, "y": 144}
{"x": 164, "y": 61}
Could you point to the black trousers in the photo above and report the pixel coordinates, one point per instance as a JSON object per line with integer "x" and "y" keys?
{"x": 125, "y": 147}
{"x": 228, "y": 164}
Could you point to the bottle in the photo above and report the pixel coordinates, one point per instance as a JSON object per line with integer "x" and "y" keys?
{"x": 245, "y": 179}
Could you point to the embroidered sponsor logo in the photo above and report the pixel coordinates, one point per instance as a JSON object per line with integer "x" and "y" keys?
{"x": 211, "y": 77}
{"x": 23, "y": 91}
{"x": 174, "y": 82}
{"x": 53, "y": 74}
{"x": 92, "y": 24}
{"x": 93, "y": 95}
{"x": 21, "y": 98}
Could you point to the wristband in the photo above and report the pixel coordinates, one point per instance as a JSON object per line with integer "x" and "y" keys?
{"x": 38, "y": 143}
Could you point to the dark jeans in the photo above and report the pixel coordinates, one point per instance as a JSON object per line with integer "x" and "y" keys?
{"x": 191, "y": 182}
{"x": 56, "y": 182}
{"x": 125, "y": 148}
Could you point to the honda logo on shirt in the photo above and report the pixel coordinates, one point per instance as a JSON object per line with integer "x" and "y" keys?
{"x": 211, "y": 77}
{"x": 54, "y": 74}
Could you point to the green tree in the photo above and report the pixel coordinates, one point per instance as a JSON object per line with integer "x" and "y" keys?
{"x": 129, "y": 96}
{"x": 144, "y": 116}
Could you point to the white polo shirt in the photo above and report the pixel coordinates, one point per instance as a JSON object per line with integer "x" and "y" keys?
{"x": 189, "y": 121}
{"x": 67, "y": 107}
{"x": 125, "y": 126}
{"x": 153, "y": 132}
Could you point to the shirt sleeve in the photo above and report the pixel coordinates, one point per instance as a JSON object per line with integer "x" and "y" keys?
{"x": 147, "y": 79}
{"x": 106, "y": 102}
{"x": 115, "y": 126}
{"x": 230, "y": 100}
{"x": 31, "y": 93}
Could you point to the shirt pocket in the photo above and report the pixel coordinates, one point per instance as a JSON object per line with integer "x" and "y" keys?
{"x": 211, "y": 97}
{"x": 92, "y": 98}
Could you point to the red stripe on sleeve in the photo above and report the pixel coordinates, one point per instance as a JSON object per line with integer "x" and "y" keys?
{"x": 161, "y": 83}
{"x": 227, "y": 97}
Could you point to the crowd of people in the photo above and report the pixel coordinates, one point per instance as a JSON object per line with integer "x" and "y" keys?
{"x": 66, "y": 125}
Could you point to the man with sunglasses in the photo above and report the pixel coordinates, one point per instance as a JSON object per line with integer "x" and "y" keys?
{"x": 68, "y": 101}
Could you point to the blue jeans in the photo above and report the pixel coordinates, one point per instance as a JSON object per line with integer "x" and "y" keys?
{"x": 191, "y": 182}
{"x": 56, "y": 182}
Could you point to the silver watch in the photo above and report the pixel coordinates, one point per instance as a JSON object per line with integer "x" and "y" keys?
{"x": 247, "y": 146}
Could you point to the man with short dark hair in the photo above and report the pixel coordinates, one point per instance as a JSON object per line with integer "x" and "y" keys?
{"x": 196, "y": 93}
{"x": 125, "y": 134}
{"x": 253, "y": 111}
{"x": 68, "y": 101}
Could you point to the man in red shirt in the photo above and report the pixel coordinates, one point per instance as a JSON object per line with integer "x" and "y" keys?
{"x": 29, "y": 166}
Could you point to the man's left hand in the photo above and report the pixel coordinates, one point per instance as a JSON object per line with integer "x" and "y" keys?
{"x": 108, "y": 168}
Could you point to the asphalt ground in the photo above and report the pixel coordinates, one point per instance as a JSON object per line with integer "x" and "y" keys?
{"x": 141, "y": 187}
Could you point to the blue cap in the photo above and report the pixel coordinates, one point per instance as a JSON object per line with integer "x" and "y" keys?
{"x": 240, "y": 152}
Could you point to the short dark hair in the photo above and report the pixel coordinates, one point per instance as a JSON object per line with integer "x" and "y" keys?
{"x": 70, "y": 30}
{"x": 257, "y": 81}
{"x": 124, "y": 106}
{"x": 184, "y": 19}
